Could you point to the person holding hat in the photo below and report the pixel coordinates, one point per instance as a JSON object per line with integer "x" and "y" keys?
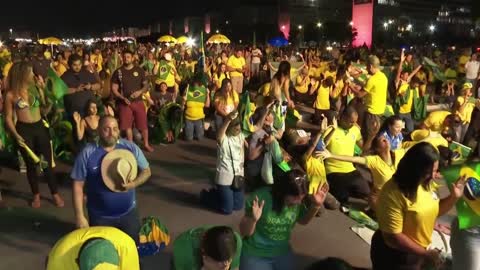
{"x": 375, "y": 98}
{"x": 464, "y": 108}
{"x": 96, "y": 248}
{"x": 108, "y": 170}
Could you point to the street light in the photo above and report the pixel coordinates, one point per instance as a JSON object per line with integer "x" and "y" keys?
{"x": 283, "y": 27}
{"x": 217, "y": 31}
{"x": 409, "y": 27}
{"x": 11, "y": 32}
{"x": 351, "y": 23}
{"x": 300, "y": 27}
{"x": 319, "y": 24}
{"x": 432, "y": 28}
{"x": 385, "y": 24}
{"x": 390, "y": 21}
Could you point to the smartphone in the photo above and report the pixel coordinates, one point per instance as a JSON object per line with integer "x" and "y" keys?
{"x": 320, "y": 145}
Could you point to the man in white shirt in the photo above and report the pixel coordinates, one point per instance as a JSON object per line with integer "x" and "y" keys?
{"x": 472, "y": 70}
{"x": 256, "y": 59}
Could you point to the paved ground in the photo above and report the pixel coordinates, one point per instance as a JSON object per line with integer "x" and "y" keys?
{"x": 179, "y": 173}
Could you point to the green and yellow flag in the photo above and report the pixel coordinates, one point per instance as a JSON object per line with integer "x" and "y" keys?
{"x": 468, "y": 207}
{"x": 197, "y": 94}
{"x": 246, "y": 111}
{"x": 164, "y": 70}
{"x": 55, "y": 85}
{"x": 460, "y": 152}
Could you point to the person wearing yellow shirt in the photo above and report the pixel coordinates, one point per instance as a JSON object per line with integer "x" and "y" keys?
{"x": 375, "y": 96}
{"x": 302, "y": 83}
{"x": 439, "y": 120}
{"x": 226, "y": 101}
{"x": 462, "y": 61}
{"x": 220, "y": 75}
{"x": 344, "y": 180}
{"x": 407, "y": 208}
{"x": 406, "y": 93}
{"x": 97, "y": 60}
{"x": 236, "y": 66}
{"x": 94, "y": 248}
{"x": 196, "y": 98}
{"x": 322, "y": 101}
{"x": 331, "y": 72}
{"x": 382, "y": 164}
{"x": 464, "y": 108}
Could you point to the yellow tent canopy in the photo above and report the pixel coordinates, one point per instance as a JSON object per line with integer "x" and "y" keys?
{"x": 218, "y": 38}
{"x": 167, "y": 39}
{"x": 182, "y": 40}
{"x": 50, "y": 41}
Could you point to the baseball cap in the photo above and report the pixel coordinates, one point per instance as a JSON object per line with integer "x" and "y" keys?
{"x": 99, "y": 254}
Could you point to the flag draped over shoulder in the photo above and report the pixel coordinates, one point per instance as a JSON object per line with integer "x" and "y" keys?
{"x": 468, "y": 206}
{"x": 164, "y": 70}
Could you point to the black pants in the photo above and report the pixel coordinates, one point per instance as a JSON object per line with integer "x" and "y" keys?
{"x": 345, "y": 185}
{"x": 37, "y": 138}
{"x": 384, "y": 257}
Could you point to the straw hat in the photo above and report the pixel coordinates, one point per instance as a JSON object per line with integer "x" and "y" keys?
{"x": 118, "y": 167}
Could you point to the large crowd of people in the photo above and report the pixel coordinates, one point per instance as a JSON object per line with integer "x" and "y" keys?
{"x": 297, "y": 131}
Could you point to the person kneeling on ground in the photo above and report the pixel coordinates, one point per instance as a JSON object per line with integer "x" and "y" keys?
{"x": 207, "y": 248}
{"x": 270, "y": 215}
{"x": 94, "y": 248}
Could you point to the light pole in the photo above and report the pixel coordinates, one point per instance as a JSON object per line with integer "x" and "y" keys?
{"x": 11, "y": 32}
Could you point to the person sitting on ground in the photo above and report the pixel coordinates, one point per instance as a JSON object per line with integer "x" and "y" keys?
{"x": 94, "y": 248}
{"x": 382, "y": 164}
{"x": 270, "y": 216}
{"x": 207, "y": 248}
{"x": 392, "y": 131}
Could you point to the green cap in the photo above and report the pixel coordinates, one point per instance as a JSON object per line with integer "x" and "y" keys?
{"x": 98, "y": 252}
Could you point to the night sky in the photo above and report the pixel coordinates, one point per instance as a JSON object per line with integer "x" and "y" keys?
{"x": 94, "y": 16}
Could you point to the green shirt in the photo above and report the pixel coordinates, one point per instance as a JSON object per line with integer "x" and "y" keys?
{"x": 186, "y": 250}
{"x": 272, "y": 232}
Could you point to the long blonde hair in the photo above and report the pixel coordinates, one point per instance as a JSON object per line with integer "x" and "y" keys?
{"x": 18, "y": 75}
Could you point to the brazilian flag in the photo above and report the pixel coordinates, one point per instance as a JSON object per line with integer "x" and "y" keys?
{"x": 55, "y": 88}
{"x": 164, "y": 70}
{"x": 246, "y": 111}
{"x": 197, "y": 94}
{"x": 468, "y": 207}
{"x": 154, "y": 236}
{"x": 437, "y": 73}
{"x": 460, "y": 152}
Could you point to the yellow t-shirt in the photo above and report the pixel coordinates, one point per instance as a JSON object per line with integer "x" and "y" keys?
{"x": 407, "y": 107}
{"x": 323, "y": 98}
{"x": 461, "y": 63}
{"x": 314, "y": 72}
{"x": 376, "y": 98}
{"x": 381, "y": 171}
{"x": 422, "y": 76}
{"x": 194, "y": 111}
{"x": 6, "y": 69}
{"x": 65, "y": 252}
{"x": 435, "y": 120}
{"x": 98, "y": 59}
{"x": 265, "y": 89}
{"x": 339, "y": 85}
{"x": 397, "y": 214}
{"x": 60, "y": 69}
{"x": 315, "y": 169}
{"x": 229, "y": 104}
{"x": 328, "y": 73}
{"x": 301, "y": 84}
{"x": 170, "y": 80}
{"x": 466, "y": 115}
{"x": 219, "y": 80}
{"x": 342, "y": 143}
{"x": 191, "y": 66}
{"x": 236, "y": 62}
